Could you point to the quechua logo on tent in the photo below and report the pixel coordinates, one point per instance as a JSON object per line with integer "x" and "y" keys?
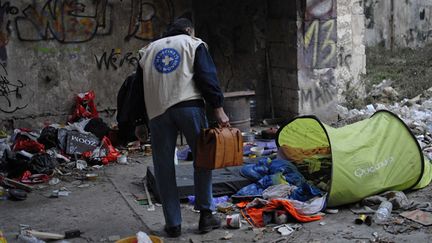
{"x": 361, "y": 172}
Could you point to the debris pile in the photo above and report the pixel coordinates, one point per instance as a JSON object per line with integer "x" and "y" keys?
{"x": 58, "y": 152}
{"x": 415, "y": 112}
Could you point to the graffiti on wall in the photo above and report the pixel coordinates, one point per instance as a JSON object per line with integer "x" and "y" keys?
{"x": 320, "y": 34}
{"x": 146, "y": 18}
{"x": 320, "y": 44}
{"x": 9, "y": 92}
{"x": 318, "y": 84}
{"x": 115, "y": 59}
{"x": 6, "y": 9}
{"x": 67, "y": 21}
{"x": 322, "y": 90}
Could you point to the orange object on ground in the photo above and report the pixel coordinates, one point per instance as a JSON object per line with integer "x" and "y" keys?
{"x": 255, "y": 215}
{"x": 242, "y": 204}
{"x": 298, "y": 154}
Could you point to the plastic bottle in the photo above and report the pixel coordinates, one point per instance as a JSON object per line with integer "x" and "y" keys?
{"x": 384, "y": 211}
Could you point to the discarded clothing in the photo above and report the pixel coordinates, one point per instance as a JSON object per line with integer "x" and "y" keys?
{"x": 48, "y": 137}
{"x": 13, "y": 164}
{"x": 98, "y": 127}
{"x": 298, "y": 154}
{"x": 255, "y": 215}
{"x": 310, "y": 207}
{"x": 256, "y": 189}
{"x": 278, "y": 191}
{"x": 276, "y": 172}
{"x": 266, "y": 166}
{"x": 42, "y": 164}
{"x": 305, "y": 192}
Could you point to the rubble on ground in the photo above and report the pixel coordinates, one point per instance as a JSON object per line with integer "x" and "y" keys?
{"x": 415, "y": 112}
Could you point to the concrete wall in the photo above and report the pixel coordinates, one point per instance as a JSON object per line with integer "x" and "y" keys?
{"x": 317, "y": 55}
{"x": 351, "y": 56}
{"x": 282, "y": 56}
{"x": 398, "y": 23}
{"x": 52, "y": 49}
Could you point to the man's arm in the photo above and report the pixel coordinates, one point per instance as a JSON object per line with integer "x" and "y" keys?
{"x": 138, "y": 108}
{"x": 207, "y": 82}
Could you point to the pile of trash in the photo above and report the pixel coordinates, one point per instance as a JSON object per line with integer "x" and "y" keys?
{"x": 30, "y": 157}
{"x": 415, "y": 112}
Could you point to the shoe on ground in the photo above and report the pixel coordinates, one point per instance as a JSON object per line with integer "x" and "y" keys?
{"x": 174, "y": 231}
{"x": 208, "y": 222}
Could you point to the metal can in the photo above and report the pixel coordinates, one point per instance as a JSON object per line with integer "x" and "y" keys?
{"x": 233, "y": 221}
{"x": 362, "y": 218}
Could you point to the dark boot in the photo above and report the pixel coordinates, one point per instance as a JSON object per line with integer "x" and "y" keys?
{"x": 208, "y": 222}
{"x": 174, "y": 231}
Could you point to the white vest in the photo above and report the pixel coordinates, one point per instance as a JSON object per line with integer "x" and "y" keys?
{"x": 168, "y": 69}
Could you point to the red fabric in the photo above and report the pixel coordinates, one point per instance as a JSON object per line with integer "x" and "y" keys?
{"x": 255, "y": 214}
{"x": 87, "y": 154}
{"x": 112, "y": 153}
{"x": 85, "y": 106}
{"x": 28, "y": 178}
{"x": 28, "y": 145}
{"x": 242, "y": 204}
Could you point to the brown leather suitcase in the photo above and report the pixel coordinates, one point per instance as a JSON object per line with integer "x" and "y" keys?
{"x": 219, "y": 148}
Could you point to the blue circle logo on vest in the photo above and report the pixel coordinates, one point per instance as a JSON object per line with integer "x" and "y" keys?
{"x": 167, "y": 60}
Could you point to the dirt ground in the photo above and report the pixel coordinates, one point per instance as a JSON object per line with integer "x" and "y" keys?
{"x": 106, "y": 210}
{"x": 410, "y": 70}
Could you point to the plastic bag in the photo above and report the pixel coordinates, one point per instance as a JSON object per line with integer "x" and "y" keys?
{"x": 28, "y": 145}
{"x": 143, "y": 238}
{"x": 84, "y": 106}
{"x": 48, "y": 137}
{"x": 111, "y": 152}
{"x": 42, "y": 164}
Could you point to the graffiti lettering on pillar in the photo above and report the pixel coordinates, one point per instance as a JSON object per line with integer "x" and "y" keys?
{"x": 116, "y": 59}
{"x": 147, "y": 19}
{"x": 6, "y": 9}
{"x": 9, "y": 92}
{"x": 67, "y": 21}
{"x": 320, "y": 44}
{"x": 321, "y": 92}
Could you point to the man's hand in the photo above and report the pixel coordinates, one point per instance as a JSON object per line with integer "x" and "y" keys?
{"x": 221, "y": 117}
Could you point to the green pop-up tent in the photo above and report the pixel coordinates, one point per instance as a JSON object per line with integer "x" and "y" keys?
{"x": 368, "y": 157}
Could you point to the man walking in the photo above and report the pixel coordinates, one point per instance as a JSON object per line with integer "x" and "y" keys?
{"x": 178, "y": 75}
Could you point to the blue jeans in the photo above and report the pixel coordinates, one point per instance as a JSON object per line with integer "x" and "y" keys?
{"x": 164, "y": 130}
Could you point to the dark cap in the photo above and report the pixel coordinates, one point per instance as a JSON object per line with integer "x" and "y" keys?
{"x": 181, "y": 24}
{"x": 178, "y": 27}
